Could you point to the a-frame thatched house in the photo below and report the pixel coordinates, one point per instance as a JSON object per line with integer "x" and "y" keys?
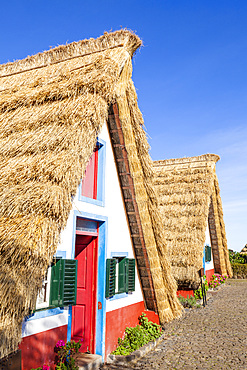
{"x": 190, "y": 203}
{"x": 53, "y": 105}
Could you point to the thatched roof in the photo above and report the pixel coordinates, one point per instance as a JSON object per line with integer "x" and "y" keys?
{"x": 52, "y": 107}
{"x": 189, "y": 196}
{"x": 244, "y": 250}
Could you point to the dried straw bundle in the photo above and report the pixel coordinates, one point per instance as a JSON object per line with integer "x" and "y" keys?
{"x": 224, "y": 265}
{"x": 184, "y": 187}
{"x": 141, "y": 169}
{"x": 52, "y": 107}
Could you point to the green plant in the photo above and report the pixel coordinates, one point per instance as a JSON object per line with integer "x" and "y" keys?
{"x": 136, "y": 337}
{"x": 44, "y": 367}
{"x": 65, "y": 352}
{"x": 217, "y": 280}
{"x": 236, "y": 257}
{"x": 239, "y": 270}
{"x": 198, "y": 292}
{"x": 188, "y": 302}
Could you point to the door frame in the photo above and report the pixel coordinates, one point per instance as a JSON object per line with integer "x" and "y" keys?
{"x": 101, "y": 279}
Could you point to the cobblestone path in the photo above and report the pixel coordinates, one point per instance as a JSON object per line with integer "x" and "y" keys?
{"x": 214, "y": 337}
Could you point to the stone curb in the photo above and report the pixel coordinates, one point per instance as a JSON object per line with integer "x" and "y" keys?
{"x": 134, "y": 356}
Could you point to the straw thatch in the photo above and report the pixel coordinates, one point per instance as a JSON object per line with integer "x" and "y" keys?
{"x": 52, "y": 107}
{"x": 244, "y": 250}
{"x": 189, "y": 199}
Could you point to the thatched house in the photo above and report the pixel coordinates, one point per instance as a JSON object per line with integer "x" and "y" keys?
{"x": 53, "y": 105}
{"x": 244, "y": 250}
{"x": 189, "y": 201}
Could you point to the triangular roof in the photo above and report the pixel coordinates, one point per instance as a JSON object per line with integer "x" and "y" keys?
{"x": 244, "y": 250}
{"x": 52, "y": 107}
{"x": 189, "y": 198}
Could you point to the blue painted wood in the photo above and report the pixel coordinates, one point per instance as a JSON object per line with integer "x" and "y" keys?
{"x": 204, "y": 260}
{"x": 101, "y": 279}
{"x": 45, "y": 313}
{"x": 69, "y": 323}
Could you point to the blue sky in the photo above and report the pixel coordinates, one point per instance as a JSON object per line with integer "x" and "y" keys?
{"x": 190, "y": 75}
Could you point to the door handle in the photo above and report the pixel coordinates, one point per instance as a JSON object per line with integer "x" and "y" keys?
{"x": 99, "y": 306}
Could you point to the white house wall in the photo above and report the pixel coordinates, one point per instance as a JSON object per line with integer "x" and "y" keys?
{"x": 209, "y": 265}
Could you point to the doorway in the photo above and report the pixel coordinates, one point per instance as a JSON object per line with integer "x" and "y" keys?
{"x": 84, "y": 312}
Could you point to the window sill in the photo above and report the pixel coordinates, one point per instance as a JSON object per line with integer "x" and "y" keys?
{"x": 96, "y": 202}
{"x": 119, "y": 296}
{"x": 44, "y": 312}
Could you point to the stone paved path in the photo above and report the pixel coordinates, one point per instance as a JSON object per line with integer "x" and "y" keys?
{"x": 214, "y": 337}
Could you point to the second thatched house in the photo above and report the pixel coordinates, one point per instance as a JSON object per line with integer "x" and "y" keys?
{"x": 190, "y": 204}
{"x": 76, "y": 184}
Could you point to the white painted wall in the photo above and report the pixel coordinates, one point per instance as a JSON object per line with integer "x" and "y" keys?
{"x": 209, "y": 265}
{"x": 118, "y": 238}
{"x": 35, "y": 326}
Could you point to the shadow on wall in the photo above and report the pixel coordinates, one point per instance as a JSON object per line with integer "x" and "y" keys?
{"x": 38, "y": 349}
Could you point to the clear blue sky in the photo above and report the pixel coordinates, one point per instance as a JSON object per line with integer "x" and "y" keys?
{"x": 190, "y": 75}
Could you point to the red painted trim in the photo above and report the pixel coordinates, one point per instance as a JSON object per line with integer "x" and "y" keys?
{"x": 38, "y": 349}
{"x": 209, "y": 274}
{"x": 152, "y": 316}
{"x": 90, "y": 181}
{"x": 118, "y": 320}
{"x": 185, "y": 293}
{"x": 78, "y": 232}
{"x": 95, "y": 173}
{"x": 94, "y": 308}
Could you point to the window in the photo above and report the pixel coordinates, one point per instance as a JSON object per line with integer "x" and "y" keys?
{"x": 59, "y": 285}
{"x": 89, "y": 183}
{"x": 92, "y": 186}
{"x": 120, "y": 276}
{"x": 43, "y": 298}
{"x": 207, "y": 253}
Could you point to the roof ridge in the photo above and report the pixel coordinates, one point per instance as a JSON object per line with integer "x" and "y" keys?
{"x": 127, "y": 39}
{"x": 201, "y": 158}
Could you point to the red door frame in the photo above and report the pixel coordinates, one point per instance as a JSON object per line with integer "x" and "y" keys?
{"x": 92, "y": 343}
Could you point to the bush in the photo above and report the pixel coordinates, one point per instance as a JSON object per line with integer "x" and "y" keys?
{"x": 188, "y": 302}
{"x": 217, "y": 280}
{"x": 198, "y": 292}
{"x": 136, "y": 337}
{"x": 239, "y": 270}
{"x": 64, "y": 356}
{"x": 65, "y": 352}
{"x": 236, "y": 257}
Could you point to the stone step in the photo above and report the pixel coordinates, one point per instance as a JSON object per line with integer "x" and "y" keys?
{"x": 86, "y": 361}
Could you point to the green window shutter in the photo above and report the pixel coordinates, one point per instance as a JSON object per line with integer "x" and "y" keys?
{"x": 63, "y": 283}
{"x": 122, "y": 288}
{"x": 110, "y": 277}
{"x": 208, "y": 253}
{"x": 130, "y": 275}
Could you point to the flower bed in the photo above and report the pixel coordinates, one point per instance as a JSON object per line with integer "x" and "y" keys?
{"x": 217, "y": 280}
{"x": 138, "y": 336}
{"x": 120, "y": 360}
{"x": 64, "y": 356}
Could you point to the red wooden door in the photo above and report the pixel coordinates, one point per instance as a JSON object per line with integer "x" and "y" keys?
{"x": 83, "y": 314}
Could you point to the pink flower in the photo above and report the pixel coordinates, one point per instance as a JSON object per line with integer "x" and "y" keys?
{"x": 46, "y": 367}
{"x": 59, "y": 344}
